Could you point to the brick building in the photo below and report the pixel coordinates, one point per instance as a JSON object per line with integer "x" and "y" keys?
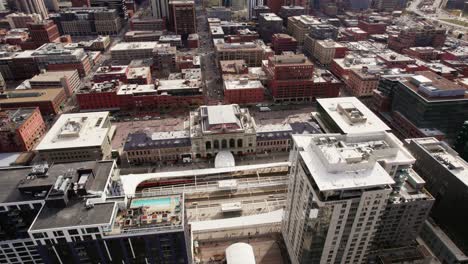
{"x": 43, "y": 32}
{"x": 101, "y": 96}
{"x": 242, "y": 35}
{"x": 164, "y": 59}
{"x": 187, "y": 62}
{"x": 423, "y": 53}
{"x": 233, "y": 67}
{"x": 362, "y": 82}
{"x": 139, "y": 75}
{"x": 395, "y": 60}
{"x": 243, "y": 91}
{"x": 20, "y": 129}
{"x": 341, "y": 67}
{"x": 291, "y": 78}
{"x": 372, "y": 26}
{"x": 283, "y": 42}
{"x": 354, "y": 34}
{"x": 182, "y": 16}
{"x": 68, "y": 80}
{"x": 110, "y": 73}
{"x": 422, "y": 36}
{"x": 185, "y": 91}
{"x": 49, "y": 101}
{"x": 275, "y": 5}
{"x": 21, "y": 20}
{"x": 192, "y": 41}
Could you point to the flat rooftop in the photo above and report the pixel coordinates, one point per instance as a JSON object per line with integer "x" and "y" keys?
{"x": 442, "y": 68}
{"x": 242, "y": 84}
{"x": 437, "y": 88}
{"x": 15, "y": 116}
{"x": 305, "y": 20}
{"x": 134, "y": 45}
{"x": 351, "y": 61}
{"x": 271, "y": 17}
{"x": 351, "y": 115}
{"x": 222, "y": 114}
{"x": 36, "y": 95}
{"x": 233, "y": 66}
{"x": 337, "y": 162}
{"x": 165, "y": 38}
{"x": 103, "y": 70}
{"x": 136, "y": 88}
{"x": 393, "y": 56}
{"x": 247, "y": 46}
{"x": 10, "y": 179}
{"x": 52, "y": 76}
{"x": 157, "y": 213}
{"x": 329, "y": 43}
{"x": 179, "y": 84}
{"x": 173, "y": 139}
{"x": 291, "y": 59}
{"x": 78, "y": 130}
{"x": 445, "y": 156}
{"x": 138, "y": 72}
{"x": 75, "y": 212}
{"x": 14, "y": 179}
{"x": 74, "y": 215}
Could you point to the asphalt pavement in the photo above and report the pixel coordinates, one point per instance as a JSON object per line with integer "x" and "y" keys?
{"x": 210, "y": 72}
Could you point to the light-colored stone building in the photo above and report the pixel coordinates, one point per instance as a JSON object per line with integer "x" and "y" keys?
{"x": 324, "y": 50}
{"x": 222, "y": 127}
{"x": 77, "y": 137}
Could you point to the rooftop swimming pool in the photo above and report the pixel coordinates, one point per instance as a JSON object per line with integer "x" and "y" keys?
{"x": 157, "y": 202}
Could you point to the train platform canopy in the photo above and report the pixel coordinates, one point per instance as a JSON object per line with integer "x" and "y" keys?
{"x": 131, "y": 181}
{"x": 273, "y": 217}
{"x": 224, "y": 159}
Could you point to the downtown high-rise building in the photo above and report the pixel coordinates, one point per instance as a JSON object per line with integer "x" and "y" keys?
{"x": 32, "y": 7}
{"x": 160, "y": 8}
{"x": 350, "y": 195}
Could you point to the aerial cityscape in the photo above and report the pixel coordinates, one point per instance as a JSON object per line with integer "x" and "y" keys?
{"x": 234, "y": 131}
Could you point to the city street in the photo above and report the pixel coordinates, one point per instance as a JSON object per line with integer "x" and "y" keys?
{"x": 211, "y": 75}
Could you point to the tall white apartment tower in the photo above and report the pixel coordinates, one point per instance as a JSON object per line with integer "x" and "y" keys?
{"x": 337, "y": 192}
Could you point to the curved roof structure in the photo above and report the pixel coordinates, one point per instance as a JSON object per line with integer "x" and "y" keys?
{"x": 240, "y": 253}
{"x": 224, "y": 159}
{"x": 270, "y": 218}
{"x": 131, "y": 181}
